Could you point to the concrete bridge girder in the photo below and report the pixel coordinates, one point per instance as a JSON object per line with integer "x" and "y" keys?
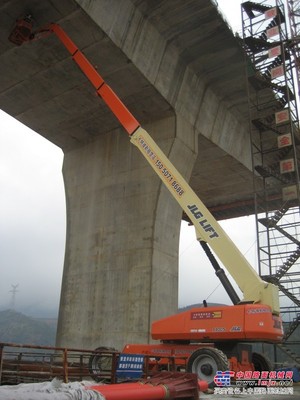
{"x": 194, "y": 62}
{"x": 170, "y": 65}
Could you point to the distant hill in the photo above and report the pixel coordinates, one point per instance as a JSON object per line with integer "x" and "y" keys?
{"x": 19, "y": 328}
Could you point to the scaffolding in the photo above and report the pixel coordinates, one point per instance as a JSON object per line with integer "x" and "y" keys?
{"x": 271, "y": 42}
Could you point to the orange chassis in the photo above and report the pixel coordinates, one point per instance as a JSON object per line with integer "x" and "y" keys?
{"x": 229, "y": 329}
{"x": 165, "y": 356}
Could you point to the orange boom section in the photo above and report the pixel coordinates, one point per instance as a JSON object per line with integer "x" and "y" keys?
{"x": 247, "y": 322}
{"x": 118, "y": 108}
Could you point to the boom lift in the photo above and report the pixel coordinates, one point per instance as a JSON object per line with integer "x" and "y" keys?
{"x": 209, "y": 338}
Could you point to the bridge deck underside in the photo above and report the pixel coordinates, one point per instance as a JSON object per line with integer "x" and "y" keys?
{"x": 42, "y": 88}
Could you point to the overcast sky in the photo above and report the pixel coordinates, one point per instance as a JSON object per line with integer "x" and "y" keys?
{"x": 32, "y": 222}
{"x": 32, "y": 218}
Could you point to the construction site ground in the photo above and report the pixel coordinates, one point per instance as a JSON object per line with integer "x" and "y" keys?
{"x": 20, "y": 364}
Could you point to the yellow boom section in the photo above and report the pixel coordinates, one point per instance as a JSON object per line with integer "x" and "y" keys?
{"x": 207, "y": 228}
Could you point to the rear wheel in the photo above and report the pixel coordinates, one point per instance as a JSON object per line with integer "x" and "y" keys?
{"x": 100, "y": 365}
{"x": 261, "y": 363}
{"x": 206, "y": 362}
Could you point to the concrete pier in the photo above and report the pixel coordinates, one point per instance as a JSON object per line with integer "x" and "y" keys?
{"x": 121, "y": 268}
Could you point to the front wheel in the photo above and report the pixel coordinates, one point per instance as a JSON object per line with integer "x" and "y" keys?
{"x": 206, "y": 362}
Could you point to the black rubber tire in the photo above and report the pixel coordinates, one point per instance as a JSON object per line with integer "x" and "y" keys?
{"x": 261, "y": 362}
{"x": 99, "y": 363}
{"x": 206, "y": 362}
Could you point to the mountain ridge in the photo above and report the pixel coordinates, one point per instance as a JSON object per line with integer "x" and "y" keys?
{"x": 16, "y": 327}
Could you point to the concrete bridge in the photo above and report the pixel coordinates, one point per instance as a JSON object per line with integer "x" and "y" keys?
{"x": 180, "y": 70}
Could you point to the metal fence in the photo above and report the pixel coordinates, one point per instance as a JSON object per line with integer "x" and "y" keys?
{"x": 21, "y": 363}
{"x": 28, "y": 363}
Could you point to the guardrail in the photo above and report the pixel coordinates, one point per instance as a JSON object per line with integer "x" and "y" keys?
{"x": 22, "y": 363}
